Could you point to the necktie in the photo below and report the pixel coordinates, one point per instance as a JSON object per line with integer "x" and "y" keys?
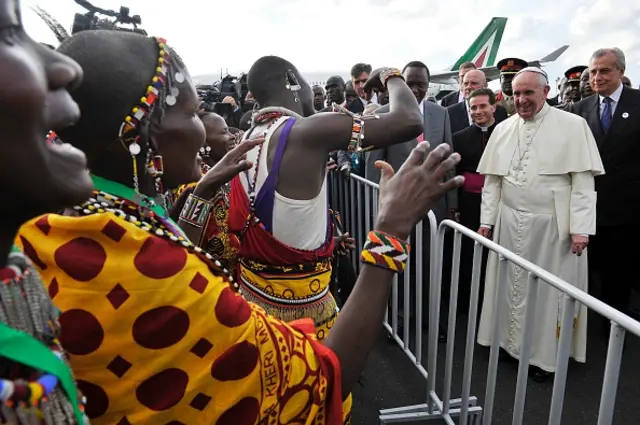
{"x": 421, "y": 138}
{"x": 606, "y": 117}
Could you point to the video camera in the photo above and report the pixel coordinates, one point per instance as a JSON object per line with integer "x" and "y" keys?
{"x": 89, "y": 20}
{"x": 211, "y": 98}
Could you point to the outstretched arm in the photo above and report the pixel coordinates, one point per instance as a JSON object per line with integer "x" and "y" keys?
{"x": 332, "y": 131}
{"x": 358, "y": 326}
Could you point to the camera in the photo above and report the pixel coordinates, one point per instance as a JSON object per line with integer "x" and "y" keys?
{"x": 111, "y": 21}
{"x": 211, "y": 98}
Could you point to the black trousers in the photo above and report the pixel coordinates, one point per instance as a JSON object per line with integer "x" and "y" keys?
{"x": 611, "y": 265}
{"x": 469, "y": 209}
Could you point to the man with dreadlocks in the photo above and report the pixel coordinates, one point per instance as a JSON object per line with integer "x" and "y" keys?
{"x": 286, "y": 241}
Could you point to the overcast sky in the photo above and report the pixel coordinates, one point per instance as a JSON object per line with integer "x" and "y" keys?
{"x": 321, "y": 36}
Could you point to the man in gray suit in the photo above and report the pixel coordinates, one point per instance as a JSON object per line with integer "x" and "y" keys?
{"x": 437, "y": 130}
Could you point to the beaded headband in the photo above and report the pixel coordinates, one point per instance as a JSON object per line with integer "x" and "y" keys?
{"x": 161, "y": 89}
{"x": 147, "y": 104}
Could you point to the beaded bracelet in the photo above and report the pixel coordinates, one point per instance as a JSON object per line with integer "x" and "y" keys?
{"x": 196, "y": 211}
{"x": 357, "y": 128}
{"x": 389, "y": 73}
{"x": 385, "y": 251}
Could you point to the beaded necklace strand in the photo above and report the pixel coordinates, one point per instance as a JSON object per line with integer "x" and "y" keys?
{"x": 149, "y": 221}
{"x": 269, "y": 115}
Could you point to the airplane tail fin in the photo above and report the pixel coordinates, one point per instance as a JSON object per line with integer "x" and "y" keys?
{"x": 551, "y": 57}
{"x": 484, "y": 49}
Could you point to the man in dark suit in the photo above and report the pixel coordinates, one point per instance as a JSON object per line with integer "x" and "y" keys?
{"x": 613, "y": 114}
{"x": 470, "y": 143}
{"x": 459, "y": 113}
{"x": 457, "y": 96}
{"x": 436, "y": 131}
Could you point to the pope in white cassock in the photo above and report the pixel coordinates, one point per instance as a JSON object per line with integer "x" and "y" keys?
{"x": 539, "y": 202}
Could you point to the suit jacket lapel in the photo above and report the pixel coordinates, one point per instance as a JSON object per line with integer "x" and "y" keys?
{"x": 593, "y": 118}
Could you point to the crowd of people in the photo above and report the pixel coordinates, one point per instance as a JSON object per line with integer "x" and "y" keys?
{"x": 161, "y": 267}
{"x": 153, "y": 324}
{"x": 545, "y": 178}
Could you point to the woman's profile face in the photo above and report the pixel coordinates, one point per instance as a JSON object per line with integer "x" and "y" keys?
{"x": 37, "y": 176}
{"x": 219, "y": 138}
{"x": 179, "y": 137}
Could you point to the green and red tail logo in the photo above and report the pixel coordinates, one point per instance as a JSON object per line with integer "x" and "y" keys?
{"x": 484, "y": 49}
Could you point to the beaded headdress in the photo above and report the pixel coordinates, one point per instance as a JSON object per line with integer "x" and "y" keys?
{"x": 161, "y": 90}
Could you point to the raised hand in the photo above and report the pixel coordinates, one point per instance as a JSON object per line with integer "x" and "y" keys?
{"x": 233, "y": 163}
{"x": 407, "y": 196}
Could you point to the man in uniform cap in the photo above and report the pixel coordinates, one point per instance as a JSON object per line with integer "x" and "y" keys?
{"x": 571, "y": 90}
{"x": 508, "y": 68}
{"x": 585, "y": 85}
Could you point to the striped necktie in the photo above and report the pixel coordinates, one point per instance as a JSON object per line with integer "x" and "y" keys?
{"x": 606, "y": 116}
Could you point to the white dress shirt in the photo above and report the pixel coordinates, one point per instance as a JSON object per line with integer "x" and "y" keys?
{"x": 615, "y": 99}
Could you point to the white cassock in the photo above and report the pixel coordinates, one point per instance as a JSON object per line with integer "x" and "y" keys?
{"x": 538, "y": 191}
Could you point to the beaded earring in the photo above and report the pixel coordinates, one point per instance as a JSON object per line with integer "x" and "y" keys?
{"x": 205, "y": 151}
{"x": 155, "y": 169}
{"x": 52, "y": 138}
{"x": 291, "y": 83}
{"x": 162, "y": 89}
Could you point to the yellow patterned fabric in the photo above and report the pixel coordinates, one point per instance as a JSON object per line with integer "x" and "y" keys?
{"x": 156, "y": 337}
{"x": 292, "y": 292}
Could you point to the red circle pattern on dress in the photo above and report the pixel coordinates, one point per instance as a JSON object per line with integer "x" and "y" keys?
{"x": 163, "y": 390}
{"x": 147, "y": 317}
{"x": 236, "y": 363}
{"x": 160, "y": 259}
{"x": 244, "y": 412}
{"x": 231, "y": 309}
{"x": 97, "y": 400}
{"x": 81, "y": 258}
{"x": 160, "y": 327}
{"x": 81, "y": 333}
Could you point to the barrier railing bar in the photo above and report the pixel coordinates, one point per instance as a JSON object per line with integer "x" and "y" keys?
{"x": 451, "y": 326}
{"x": 357, "y": 232}
{"x": 492, "y": 372}
{"x": 435, "y": 277}
{"x": 611, "y": 374}
{"x": 419, "y": 293}
{"x": 562, "y": 360}
{"x": 465, "y": 407}
{"x": 352, "y": 223}
{"x": 394, "y": 305}
{"x": 471, "y": 330}
{"x": 406, "y": 302}
{"x": 525, "y": 349}
{"x": 582, "y": 297}
{"x": 368, "y": 217}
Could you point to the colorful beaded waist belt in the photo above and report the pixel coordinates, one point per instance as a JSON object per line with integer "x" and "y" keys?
{"x": 289, "y": 285}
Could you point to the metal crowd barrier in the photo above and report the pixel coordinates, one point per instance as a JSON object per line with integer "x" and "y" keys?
{"x": 349, "y": 195}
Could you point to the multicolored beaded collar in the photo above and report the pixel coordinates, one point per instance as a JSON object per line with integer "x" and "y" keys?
{"x": 116, "y": 198}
